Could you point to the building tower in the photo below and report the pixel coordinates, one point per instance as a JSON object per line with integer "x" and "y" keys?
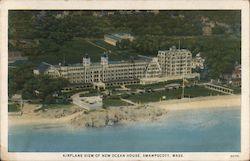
{"x": 104, "y": 59}
{"x": 132, "y": 69}
{"x": 86, "y": 60}
{"x": 104, "y": 63}
{"x": 86, "y": 64}
{"x": 175, "y": 61}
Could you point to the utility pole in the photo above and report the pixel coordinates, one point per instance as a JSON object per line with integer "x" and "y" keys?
{"x": 21, "y": 104}
{"x": 63, "y": 59}
{"x": 183, "y": 86}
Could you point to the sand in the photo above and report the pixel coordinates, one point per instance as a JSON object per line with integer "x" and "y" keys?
{"x": 200, "y": 103}
{"x": 29, "y": 117}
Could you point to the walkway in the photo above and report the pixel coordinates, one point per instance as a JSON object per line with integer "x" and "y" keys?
{"x": 97, "y": 45}
{"x": 219, "y": 88}
{"x": 128, "y": 101}
{"x": 88, "y": 102}
{"x": 76, "y": 99}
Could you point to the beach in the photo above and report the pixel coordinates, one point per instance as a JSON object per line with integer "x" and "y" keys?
{"x": 29, "y": 117}
{"x": 200, "y": 102}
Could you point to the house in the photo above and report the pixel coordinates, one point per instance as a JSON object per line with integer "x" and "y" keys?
{"x": 45, "y": 68}
{"x": 198, "y": 62}
{"x": 237, "y": 72}
{"x": 234, "y": 78}
{"x": 113, "y": 39}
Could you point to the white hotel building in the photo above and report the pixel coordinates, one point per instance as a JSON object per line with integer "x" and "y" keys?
{"x": 169, "y": 64}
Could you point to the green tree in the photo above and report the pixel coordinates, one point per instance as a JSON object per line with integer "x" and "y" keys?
{"x": 18, "y": 76}
{"x": 124, "y": 44}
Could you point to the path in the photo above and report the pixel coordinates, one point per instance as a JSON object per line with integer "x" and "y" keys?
{"x": 199, "y": 102}
{"x": 76, "y": 99}
{"x": 218, "y": 88}
{"x": 97, "y": 45}
{"x": 128, "y": 101}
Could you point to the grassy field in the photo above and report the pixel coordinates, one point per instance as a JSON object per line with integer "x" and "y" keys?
{"x": 13, "y": 108}
{"x": 108, "y": 102}
{"x": 74, "y": 50}
{"x": 237, "y": 90}
{"x": 152, "y": 86}
{"x": 89, "y": 94}
{"x": 116, "y": 54}
{"x": 171, "y": 94}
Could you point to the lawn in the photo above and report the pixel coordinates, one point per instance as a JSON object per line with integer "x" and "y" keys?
{"x": 107, "y": 102}
{"x": 147, "y": 86}
{"x": 73, "y": 51}
{"x": 13, "y": 108}
{"x": 237, "y": 90}
{"x": 153, "y": 86}
{"x": 89, "y": 94}
{"x": 171, "y": 94}
{"x": 116, "y": 54}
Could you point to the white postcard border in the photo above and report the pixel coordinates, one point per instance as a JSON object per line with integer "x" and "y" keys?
{"x": 125, "y": 4}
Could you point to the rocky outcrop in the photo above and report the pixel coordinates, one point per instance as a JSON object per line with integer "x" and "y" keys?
{"x": 58, "y": 112}
{"x": 110, "y": 117}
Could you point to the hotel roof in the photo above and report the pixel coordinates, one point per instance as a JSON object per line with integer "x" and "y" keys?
{"x": 43, "y": 67}
{"x": 117, "y": 36}
{"x": 113, "y": 37}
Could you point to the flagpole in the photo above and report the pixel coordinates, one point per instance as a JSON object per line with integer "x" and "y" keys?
{"x": 183, "y": 86}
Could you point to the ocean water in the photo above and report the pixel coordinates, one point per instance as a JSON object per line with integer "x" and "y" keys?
{"x": 204, "y": 130}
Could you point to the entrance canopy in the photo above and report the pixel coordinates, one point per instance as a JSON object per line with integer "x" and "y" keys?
{"x": 99, "y": 85}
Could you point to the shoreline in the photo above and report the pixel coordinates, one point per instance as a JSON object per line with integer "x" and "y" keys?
{"x": 199, "y": 103}
{"x": 168, "y": 105}
{"x": 35, "y": 120}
